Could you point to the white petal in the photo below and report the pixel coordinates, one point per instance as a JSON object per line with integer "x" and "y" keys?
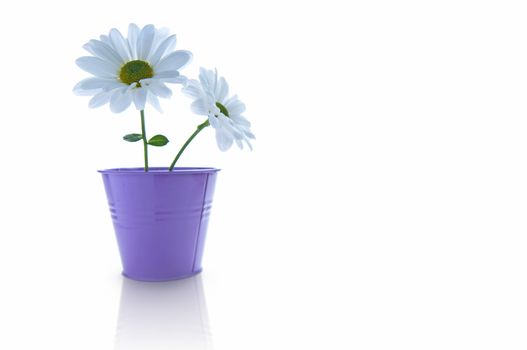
{"x": 119, "y": 44}
{"x": 178, "y": 80}
{"x": 243, "y": 135}
{"x": 86, "y": 92}
{"x": 99, "y": 99}
{"x": 250, "y": 135}
{"x": 120, "y": 100}
{"x": 96, "y": 66}
{"x": 164, "y": 47}
{"x": 104, "y": 51}
{"x": 139, "y": 97}
{"x": 144, "y": 41}
{"x": 215, "y": 86}
{"x": 246, "y": 131}
{"x": 235, "y": 106}
{"x": 160, "y": 34}
{"x": 79, "y": 90}
{"x": 159, "y": 89}
{"x": 239, "y": 143}
{"x": 207, "y": 79}
{"x": 229, "y": 126}
{"x": 223, "y": 139}
{"x": 114, "y": 85}
{"x": 133, "y": 34}
{"x": 105, "y": 39}
{"x": 193, "y": 89}
{"x": 248, "y": 143}
{"x": 222, "y": 89}
{"x": 199, "y": 107}
{"x": 213, "y": 121}
{"x": 171, "y": 76}
{"x": 240, "y": 120}
{"x": 96, "y": 83}
{"x": 154, "y": 101}
{"x": 173, "y": 61}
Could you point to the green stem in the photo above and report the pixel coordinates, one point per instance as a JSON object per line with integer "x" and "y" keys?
{"x": 198, "y": 130}
{"x": 145, "y": 144}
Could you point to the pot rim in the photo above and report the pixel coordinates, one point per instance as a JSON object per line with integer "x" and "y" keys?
{"x": 160, "y": 171}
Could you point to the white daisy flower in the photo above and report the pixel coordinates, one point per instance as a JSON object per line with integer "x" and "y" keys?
{"x": 224, "y": 113}
{"x": 134, "y": 69}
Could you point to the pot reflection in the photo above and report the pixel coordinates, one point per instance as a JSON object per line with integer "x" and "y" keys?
{"x": 163, "y": 315}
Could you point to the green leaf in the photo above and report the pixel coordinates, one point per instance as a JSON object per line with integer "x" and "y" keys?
{"x": 158, "y": 140}
{"x": 133, "y": 137}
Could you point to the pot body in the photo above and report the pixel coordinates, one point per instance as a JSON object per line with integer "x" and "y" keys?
{"x": 160, "y": 219}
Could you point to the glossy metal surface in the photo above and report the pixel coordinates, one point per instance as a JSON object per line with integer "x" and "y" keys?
{"x": 160, "y": 219}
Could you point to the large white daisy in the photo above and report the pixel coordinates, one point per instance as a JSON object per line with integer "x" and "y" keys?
{"x": 224, "y": 113}
{"x": 134, "y": 69}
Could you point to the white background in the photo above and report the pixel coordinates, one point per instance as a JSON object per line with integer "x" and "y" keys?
{"x": 383, "y": 206}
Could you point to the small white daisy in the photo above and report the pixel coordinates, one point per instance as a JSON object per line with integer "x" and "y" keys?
{"x": 224, "y": 113}
{"x": 134, "y": 69}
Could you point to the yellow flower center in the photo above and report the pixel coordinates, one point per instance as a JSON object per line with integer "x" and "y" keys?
{"x": 134, "y": 71}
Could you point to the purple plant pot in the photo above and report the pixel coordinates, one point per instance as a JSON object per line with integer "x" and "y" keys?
{"x": 160, "y": 219}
